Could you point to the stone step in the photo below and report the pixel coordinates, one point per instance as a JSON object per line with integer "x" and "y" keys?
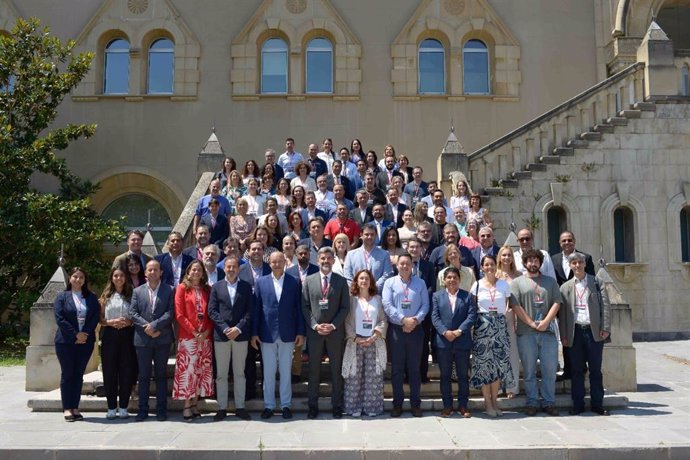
{"x": 51, "y": 402}
{"x": 550, "y": 159}
{"x": 494, "y": 191}
{"x": 577, "y": 144}
{"x": 564, "y": 151}
{"x": 521, "y": 175}
{"x": 536, "y": 167}
{"x": 604, "y": 128}
{"x": 510, "y": 183}
{"x": 644, "y": 106}
{"x": 630, "y": 113}
{"x": 590, "y": 136}
{"x": 617, "y": 121}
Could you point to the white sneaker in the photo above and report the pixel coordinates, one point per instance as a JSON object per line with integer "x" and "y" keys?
{"x": 111, "y": 414}
{"x": 122, "y": 412}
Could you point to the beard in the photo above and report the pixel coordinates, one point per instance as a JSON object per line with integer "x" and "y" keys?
{"x": 532, "y": 269}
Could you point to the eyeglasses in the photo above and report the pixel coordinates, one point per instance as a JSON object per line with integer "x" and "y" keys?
{"x": 566, "y": 241}
{"x": 525, "y": 238}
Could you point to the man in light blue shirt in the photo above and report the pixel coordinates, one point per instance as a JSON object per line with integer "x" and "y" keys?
{"x": 406, "y": 303}
{"x": 369, "y": 257}
{"x": 289, "y": 159}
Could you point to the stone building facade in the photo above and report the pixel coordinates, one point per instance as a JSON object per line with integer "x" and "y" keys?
{"x": 557, "y": 76}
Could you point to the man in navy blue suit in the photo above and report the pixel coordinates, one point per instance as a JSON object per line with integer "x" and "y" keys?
{"x": 216, "y": 222}
{"x": 277, "y": 326}
{"x": 379, "y": 221}
{"x": 174, "y": 262}
{"x": 453, "y": 316}
{"x": 487, "y": 247}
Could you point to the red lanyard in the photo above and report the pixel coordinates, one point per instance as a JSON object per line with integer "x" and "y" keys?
{"x": 492, "y": 296}
{"x": 406, "y": 291}
{"x": 581, "y": 297}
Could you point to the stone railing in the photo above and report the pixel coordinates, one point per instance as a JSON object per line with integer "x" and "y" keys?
{"x": 568, "y": 121}
{"x": 184, "y": 222}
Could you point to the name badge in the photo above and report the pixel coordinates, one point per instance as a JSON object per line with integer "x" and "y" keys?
{"x": 580, "y": 306}
{"x": 323, "y": 304}
{"x": 367, "y": 324}
{"x": 493, "y": 308}
{"x": 406, "y": 304}
{"x": 539, "y": 304}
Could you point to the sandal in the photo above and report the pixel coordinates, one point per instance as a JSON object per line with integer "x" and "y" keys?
{"x": 185, "y": 411}
{"x": 195, "y": 412}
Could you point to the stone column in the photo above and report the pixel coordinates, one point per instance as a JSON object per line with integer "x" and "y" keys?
{"x": 660, "y": 74}
{"x": 452, "y": 158}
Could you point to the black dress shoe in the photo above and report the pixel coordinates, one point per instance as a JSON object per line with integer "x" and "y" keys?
{"x": 575, "y": 411}
{"x": 313, "y": 413}
{"x": 287, "y": 413}
{"x": 337, "y": 412}
{"x": 267, "y": 413}
{"x": 600, "y": 411}
{"x": 243, "y": 414}
{"x": 78, "y": 417}
{"x": 69, "y": 418}
{"x": 396, "y": 412}
{"x": 416, "y": 411}
{"x": 220, "y": 415}
{"x": 141, "y": 416}
{"x": 161, "y": 417}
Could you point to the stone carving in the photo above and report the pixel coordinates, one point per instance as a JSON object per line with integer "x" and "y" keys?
{"x": 137, "y": 6}
{"x": 454, "y": 6}
{"x": 296, "y": 6}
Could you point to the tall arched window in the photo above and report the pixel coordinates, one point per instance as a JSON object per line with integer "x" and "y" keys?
{"x": 274, "y": 66}
{"x": 475, "y": 67}
{"x": 161, "y": 67}
{"x": 556, "y": 223}
{"x": 685, "y": 233}
{"x": 684, "y": 81}
{"x": 319, "y": 72}
{"x": 624, "y": 235}
{"x": 116, "y": 71}
{"x": 432, "y": 67}
{"x": 139, "y": 210}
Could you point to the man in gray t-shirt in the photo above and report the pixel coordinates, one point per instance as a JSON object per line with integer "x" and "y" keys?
{"x": 536, "y": 299}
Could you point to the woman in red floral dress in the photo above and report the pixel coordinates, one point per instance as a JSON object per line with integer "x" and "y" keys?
{"x": 193, "y": 366}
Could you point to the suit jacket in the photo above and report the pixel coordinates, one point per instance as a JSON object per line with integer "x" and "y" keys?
{"x": 477, "y": 255}
{"x": 345, "y": 182}
{"x": 437, "y": 232}
{"x": 304, "y": 214}
{"x": 388, "y": 214}
{"x": 463, "y": 318}
{"x": 294, "y": 271}
{"x": 356, "y": 215}
{"x": 438, "y": 257}
{"x": 279, "y": 174}
{"x": 119, "y": 261}
{"x": 165, "y": 260}
{"x": 599, "y": 309}
{"x": 557, "y": 261}
{"x": 338, "y": 303}
{"x": 314, "y": 253}
{"x": 277, "y": 318}
{"x": 382, "y": 181}
{"x": 384, "y": 225}
{"x": 191, "y": 251}
{"x": 221, "y": 231}
{"x": 246, "y": 272}
{"x": 224, "y": 313}
{"x": 380, "y": 265}
{"x": 186, "y": 313}
{"x": 66, "y": 318}
{"x": 160, "y": 319}
{"x": 426, "y": 271}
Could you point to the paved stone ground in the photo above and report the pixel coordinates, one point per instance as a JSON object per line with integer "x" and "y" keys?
{"x": 656, "y": 424}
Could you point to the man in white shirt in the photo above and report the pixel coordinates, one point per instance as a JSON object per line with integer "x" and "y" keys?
{"x": 438, "y": 199}
{"x": 289, "y": 159}
{"x": 210, "y": 260}
{"x": 526, "y": 239}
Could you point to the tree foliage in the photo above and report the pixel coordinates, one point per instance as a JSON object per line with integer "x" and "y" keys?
{"x": 37, "y": 71}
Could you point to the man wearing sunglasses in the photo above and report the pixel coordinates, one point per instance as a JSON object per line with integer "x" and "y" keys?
{"x": 526, "y": 240}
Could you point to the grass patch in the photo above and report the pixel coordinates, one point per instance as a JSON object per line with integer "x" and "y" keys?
{"x": 13, "y": 351}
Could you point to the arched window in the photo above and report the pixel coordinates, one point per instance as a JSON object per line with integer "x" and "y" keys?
{"x": 319, "y": 74}
{"x": 161, "y": 67}
{"x": 556, "y": 223}
{"x": 624, "y": 235}
{"x": 684, "y": 81}
{"x": 475, "y": 66}
{"x": 116, "y": 72}
{"x": 274, "y": 66}
{"x": 432, "y": 67}
{"x": 139, "y": 210}
{"x": 685, "y": 233}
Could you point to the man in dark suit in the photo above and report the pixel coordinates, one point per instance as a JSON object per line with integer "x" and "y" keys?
{"x": 250, "y": 272}
{"x": 453, "y": 315}
{"x": 563, "y": 274}
{"x": 203, "y": 237}
{"x": 362, "y": 212}
{"x": 438, "y": 254}
{"x": 134, "y": 240}
{"x": 270, "y": 157}
{"x": 173, "y": 263}
{"x": 151, "y": 309}
{"x": 316, "y": 239}
{"x": 325, "y": 305}
{"x": 311, "y": 211}
{"x": 278, "y": 326}
{"x": 229, "y": 307}
{"x": 384, "y": 178}
{"x": 393, "y": 211}
{"x": 584, "y": 322}
{"x": 217, "y": 223}
{"x": 379, "y": 222}
{"x": 487, "y": 247}
{"x": 303, "y": 267}
{"x": 426, "y": 271}
{"x": 337, "y": 178}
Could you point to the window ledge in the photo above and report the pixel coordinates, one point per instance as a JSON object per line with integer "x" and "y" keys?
{"x": 627, "y": 272}
{"x": 295, "y": 97}
{"x": 133, "y": 97}
{"x": 458, "y": 97}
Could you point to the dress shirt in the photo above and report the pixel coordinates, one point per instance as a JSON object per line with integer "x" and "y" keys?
{"x": 582, "y": 302}
{"x": 395, "y": 291}
{"x": 278, "y": 285}
{"x": 546, "y": 267}
{"x": 232, "y": 292}
{"x": 176, "y": 263}
{"x": 153, "y": 295}
{"x": 288, "y": 161}
{"x": 213, "y": 277}
{"x": 565, "y": 265}
{"x": 452, "y": 298}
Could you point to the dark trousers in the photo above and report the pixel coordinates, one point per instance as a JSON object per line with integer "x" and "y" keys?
{"x": 158, "y": 355}
{"x": 586, "y": 350}
{"x": 406, "y": 351}
{"x": 119, "y": 361}
{"x": 250, "y": 371}
{"x": 461, "y": 358}
{"x": 427, "y": 347}
{"x": 334, "y": 344}
{"x": 73, "y": 359}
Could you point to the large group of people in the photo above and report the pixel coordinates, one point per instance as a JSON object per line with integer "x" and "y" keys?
{"x": 343, "y": 257}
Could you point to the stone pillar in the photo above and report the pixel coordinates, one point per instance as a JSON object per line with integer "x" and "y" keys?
{"x": 148, "y": 246}
{"x": 211, "y": 156}
{"x": 42, "y": 366}
{"x": 660, "y": 74}
{"x": 452, "y": 158}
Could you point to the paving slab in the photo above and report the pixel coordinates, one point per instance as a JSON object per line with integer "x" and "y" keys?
{"x": 655, "y": 424}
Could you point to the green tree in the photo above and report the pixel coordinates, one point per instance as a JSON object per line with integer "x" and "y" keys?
{"x": 37, "y": 71}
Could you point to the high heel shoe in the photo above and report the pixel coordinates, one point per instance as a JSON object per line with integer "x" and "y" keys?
{"x": 187, "y": 414}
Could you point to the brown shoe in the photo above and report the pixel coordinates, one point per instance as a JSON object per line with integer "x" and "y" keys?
{"x": 464, "y": 412}
{"x": 531, "y": 411}
{"x": 551, "y": 410}
{"x": 416, "y": 411}
{"x": 396, "y": 412}
{"x": 446, "y": 412}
